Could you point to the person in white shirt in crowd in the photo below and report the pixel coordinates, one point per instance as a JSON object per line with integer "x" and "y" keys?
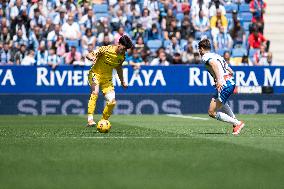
{"x": 16, "y": 8}
{"x": 216, "y": 5}
{"x": 133, "y": 10}
{"x": 52, "y": 59}
{"x": 146, "y": 20}
{"x": 201, "y": 25}
{"x": 11, "y": 3}
{"x": 71, "y": 29}
{"x": 4, "y": 22}
{"x": 41, "y": 54}
{"x": 106, "y": 32}
{"x": 91, "y": 47}
{"x": 118, "y": 20}
{"x": 119, "y": 6}
{"x": 261, "y": 57}
{"x": 19, "y": 38}
{"x": 35, "y": 38}
{"x": 38, "y": 19}
{"x": 198, "y": 5}
{"x": 223, "y": 40}
{"x": 61, "y": 17}
{"x": 88, "y": 20}
{"x": 20, "y": 25}
{"x": 38, "y": 4}
{"x": 5, "y": 55}
{"x": 87, "y": 39}
{"x": 173, "y": 46}
{"x": 70, "y": 6}
{"x": 29, "y": 59}
{"x": 161, "y": 60}
{"x": 53, "y": 35}
{"x": 153, "y": 7}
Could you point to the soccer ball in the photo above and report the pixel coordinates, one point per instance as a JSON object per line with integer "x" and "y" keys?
{"x": 103, "y": 126}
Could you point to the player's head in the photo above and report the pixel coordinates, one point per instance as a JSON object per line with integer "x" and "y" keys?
{"x": 204, "y": 46}
{"x": 124, "y": 43}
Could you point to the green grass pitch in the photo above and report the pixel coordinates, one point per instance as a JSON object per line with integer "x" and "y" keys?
{"x": 141, "y": 152}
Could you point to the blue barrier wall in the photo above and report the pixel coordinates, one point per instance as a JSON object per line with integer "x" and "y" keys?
{"x": 154, "y": 90}
{"x": 136, "y": 104}
{"x": 155, "y": 80}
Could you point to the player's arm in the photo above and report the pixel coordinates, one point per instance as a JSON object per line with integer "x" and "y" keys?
{"x": 215, "y": 69}
{"x": 94, "y": 55}
{"x": 231, "y": 71}
{"x": 119, "y": 71}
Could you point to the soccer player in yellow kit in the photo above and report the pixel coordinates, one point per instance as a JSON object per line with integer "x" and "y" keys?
{"x": 105, "y": 59}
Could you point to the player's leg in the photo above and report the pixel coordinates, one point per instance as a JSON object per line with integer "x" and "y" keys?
{"x": 213, "y": 112}
{"x": 110, "y": 104}
{"x": 109, "y": 93}
{"x": 227, "y": 115}
{"x": 227, "y": 110}
{"x": 93, "y": 98}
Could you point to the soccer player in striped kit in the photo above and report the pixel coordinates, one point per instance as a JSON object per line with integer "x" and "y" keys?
{"x": 224, "y": 83}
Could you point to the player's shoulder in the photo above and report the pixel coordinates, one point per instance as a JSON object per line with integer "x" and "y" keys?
{"x": 106, "y": 48}
{"x": 209, "y": 56}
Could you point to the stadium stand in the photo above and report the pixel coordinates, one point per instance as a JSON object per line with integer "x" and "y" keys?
{"x": 35, "y": 22}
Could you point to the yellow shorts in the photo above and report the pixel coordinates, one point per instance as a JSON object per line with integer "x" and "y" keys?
{"x": 105, "y": 84}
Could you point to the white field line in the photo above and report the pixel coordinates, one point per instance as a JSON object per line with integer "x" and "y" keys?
{"x": 187, "y": 117}
{"x": 109, "y": 137}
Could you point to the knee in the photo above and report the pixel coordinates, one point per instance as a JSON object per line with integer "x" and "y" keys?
{"x": 94, "y": 92}
{"x": 112, "y": 102}
{"x": 212, "y": 113}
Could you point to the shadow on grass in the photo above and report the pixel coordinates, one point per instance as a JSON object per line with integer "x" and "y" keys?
{"x": 214, "y": 133}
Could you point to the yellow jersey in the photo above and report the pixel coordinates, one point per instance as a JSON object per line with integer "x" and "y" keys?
{"x": 107, "y": 60}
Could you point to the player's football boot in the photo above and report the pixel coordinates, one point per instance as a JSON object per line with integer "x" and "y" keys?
{"x": 91, "y": 123}
{"x": 237, "y": 129}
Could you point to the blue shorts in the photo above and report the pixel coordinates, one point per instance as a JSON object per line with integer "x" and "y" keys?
{"x": 225, "y": 93}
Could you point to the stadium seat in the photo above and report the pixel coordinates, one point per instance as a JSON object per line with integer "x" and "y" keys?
{"x": 229, "y": 8}
{"x": 102, "y": 15}
{"x": 183, "y": 43}
{"x": 179, "y": 16}
{"x": 239, "y": 52}
{"x": 252, "y": 52}
{"x": 246, "y": 25}
{"x": 246, "y": 17}
{"x": 100, "y": 8}
{"x": 167, "y": 43}
{"x": 244, "y": 8}
{"x": 221, "y": 51}
{"x": 154, "y": 44}
{"x": 229, "y": 16}
{"x": 73, "y": 43}
{"x": 197, "y": 35}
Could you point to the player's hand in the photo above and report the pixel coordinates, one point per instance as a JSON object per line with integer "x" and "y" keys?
{"x": 219, "y": 86}
{"x": 124, "y": 85}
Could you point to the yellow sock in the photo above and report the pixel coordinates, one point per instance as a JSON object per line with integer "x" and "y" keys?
{"x": 108, "y": 110}
{"x": 92, "y": 105}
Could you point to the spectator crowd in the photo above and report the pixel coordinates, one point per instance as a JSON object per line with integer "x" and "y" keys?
{"x": 165, "y": 32}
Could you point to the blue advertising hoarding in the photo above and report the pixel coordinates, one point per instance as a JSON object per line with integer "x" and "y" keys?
{"x": 44, "y": 104}
{"x": 149, "y": 79}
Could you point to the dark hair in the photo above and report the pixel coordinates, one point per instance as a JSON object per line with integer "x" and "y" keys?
{"x": 205, "y": 44}
{"x": 36, "y": 10}
{"x": 226, "y": 53}
{"x": 125, "y": 41}
{"x": 88, "y": 30}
